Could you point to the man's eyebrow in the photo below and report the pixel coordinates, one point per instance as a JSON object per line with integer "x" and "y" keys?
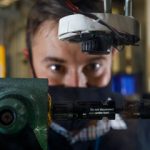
{"x": 97, "y": 58}
{"x": 55, "y": 59}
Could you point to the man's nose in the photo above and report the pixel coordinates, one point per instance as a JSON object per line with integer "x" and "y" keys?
{"x": 75, "y": 79}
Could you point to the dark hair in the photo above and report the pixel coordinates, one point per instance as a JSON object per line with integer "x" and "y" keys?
{"x": 54, "y": 10}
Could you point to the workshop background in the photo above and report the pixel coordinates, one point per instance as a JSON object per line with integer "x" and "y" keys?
{"x": 131, "y": 67}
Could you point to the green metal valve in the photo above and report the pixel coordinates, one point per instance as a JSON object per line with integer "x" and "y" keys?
{"x": 24, "y": 102}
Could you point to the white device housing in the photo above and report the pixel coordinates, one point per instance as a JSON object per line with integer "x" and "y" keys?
{"x": 72, "y": 26}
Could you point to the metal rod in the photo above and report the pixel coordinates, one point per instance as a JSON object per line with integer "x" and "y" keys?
{"x": 128, "y": 7}
{"x": 107, "y": 6}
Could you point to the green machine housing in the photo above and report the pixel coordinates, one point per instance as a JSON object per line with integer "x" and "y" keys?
{"x": 22, "y": 102}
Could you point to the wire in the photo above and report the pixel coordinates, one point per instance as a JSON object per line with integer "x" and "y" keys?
{"x": 71, "y": 6}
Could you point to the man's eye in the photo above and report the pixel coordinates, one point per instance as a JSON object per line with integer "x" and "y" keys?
{"x": 93, "y": 67}
{"x": 57, "y": 68}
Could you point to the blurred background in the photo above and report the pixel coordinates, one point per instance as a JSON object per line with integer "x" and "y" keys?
{"x": 131, "y": 67}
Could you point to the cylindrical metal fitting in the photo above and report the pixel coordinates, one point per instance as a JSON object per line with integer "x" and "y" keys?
{"x": 107, "y": 6}
{"x": 128, "y": 7}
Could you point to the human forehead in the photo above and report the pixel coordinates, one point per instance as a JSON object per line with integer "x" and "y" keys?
{"x": 46, "y": 28}
{"x": 47, "y": 34}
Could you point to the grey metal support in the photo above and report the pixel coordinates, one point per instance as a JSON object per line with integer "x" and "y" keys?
{"x": 128, "y": 7}
{"x": 107, "y": 6}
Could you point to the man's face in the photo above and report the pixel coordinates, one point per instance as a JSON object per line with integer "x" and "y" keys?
{"x": 63, "y": 63}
